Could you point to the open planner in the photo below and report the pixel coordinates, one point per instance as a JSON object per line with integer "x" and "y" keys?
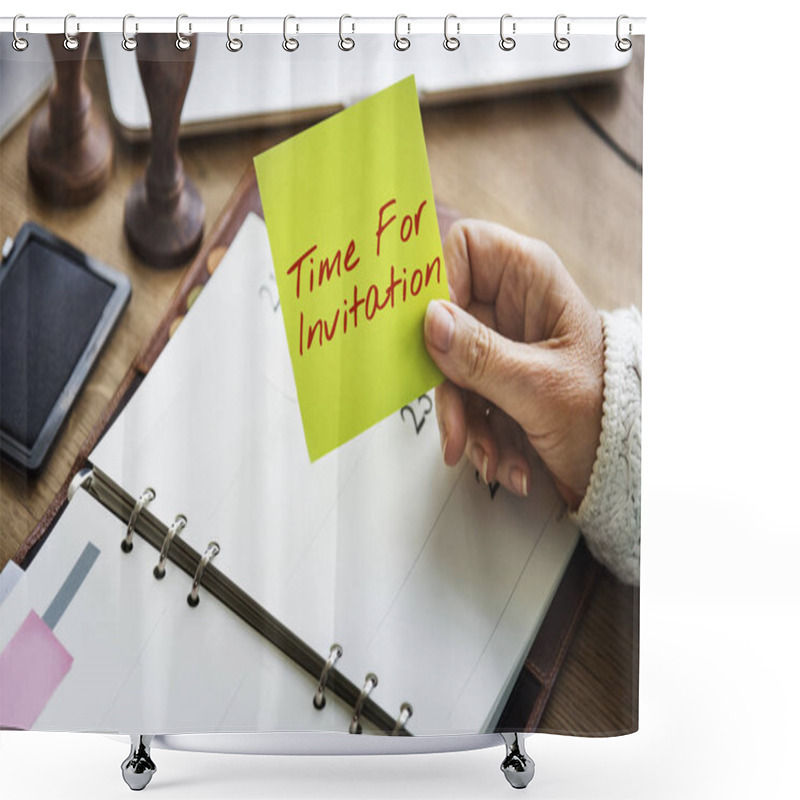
{"x": 411, "y": 590}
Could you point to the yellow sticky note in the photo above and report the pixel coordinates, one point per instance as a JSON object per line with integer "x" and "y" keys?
{"x": 355, "y": 243}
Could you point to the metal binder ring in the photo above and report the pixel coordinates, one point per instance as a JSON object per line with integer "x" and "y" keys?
{"x": 174, "y": 530}
{"x": 401, "y": 42}
{"x": 70, "y": 41}
{"x": 145, "y": 498}
{"x": 335, "y": 655}
{"x": 233, "y": 44}
{"x": 128, "y": 42}
{"x": 82, "y": 480}
{"x": 370, "y": 682}
{"x": 19, "y": 44}
{"x": 181, "y": 42}
{"x": 405, "y": 715}
{"x": 561, "y": 43}
{"x": 213, "y": 549}
{"x": 451, "y": 42}
{"x": 623, "y": 44}
{"x": 507, "y": 42}
{"x": 346, "y": 43}
{"x": 289, "y": 44}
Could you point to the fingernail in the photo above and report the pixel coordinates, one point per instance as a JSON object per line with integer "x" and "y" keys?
{"x": 480, "y": 457}
{"x": 519, "y": 481}
{"x": 439, "y": 326}
{"x": 444, "y": 448}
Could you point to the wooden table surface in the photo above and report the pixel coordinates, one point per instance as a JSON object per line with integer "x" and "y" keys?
{"x": 563, "y": 166}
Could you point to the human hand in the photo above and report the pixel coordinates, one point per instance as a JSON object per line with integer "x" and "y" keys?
{"x": 522, "y": 349}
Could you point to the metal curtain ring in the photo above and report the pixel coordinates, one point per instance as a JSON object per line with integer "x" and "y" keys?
{"x": 561, "y": 43}
{"x": 405, "y": 715}
{"x": 234, "y": 45}
{"x": 507, "y": 42}
{"x": 213, "y": 549}
{"x": 19, "y": 44}
{"x": 289, "y": 44}
{"x": 346, "y": 43}
{"x": 70, "y": 41}
{"x": 181, "y": 42}
{"x": 174, "y": 530}
{"x": 451, "y": 42}
{"x": 623, "y": 44}
{"x": 370, "y": 682}
{"x": 128, "y": 42}
{"x": 145, "y": 498}
{"x": 319, "y": 696}
{"x": 401, "y": 42}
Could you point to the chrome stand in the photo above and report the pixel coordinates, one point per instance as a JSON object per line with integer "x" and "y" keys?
{"x": 517, "y": 766}
{"x": 138, "y": 768}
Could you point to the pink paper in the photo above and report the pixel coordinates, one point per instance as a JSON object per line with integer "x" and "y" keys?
{"x": 32, "y": 665}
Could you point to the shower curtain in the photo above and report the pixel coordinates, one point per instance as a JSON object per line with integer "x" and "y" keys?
{"x": 359, "y": 448}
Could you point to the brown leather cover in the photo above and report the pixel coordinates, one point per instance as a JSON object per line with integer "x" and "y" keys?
{"x": 532, "y": 689}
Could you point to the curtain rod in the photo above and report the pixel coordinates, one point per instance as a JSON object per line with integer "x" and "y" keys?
{"x": 349, "y": 25}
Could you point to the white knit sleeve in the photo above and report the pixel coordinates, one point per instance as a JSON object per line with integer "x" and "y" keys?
{"x": 610, "y": 514}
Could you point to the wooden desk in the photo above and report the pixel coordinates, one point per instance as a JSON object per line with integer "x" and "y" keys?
{"x": 561, "y": 166}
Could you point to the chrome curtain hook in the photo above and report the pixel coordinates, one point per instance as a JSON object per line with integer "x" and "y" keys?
{"x": 319, "y": 697}
{"x": 623, "y": 44}
{"x": 181, "y": 42}
{"x": 174, "y": 530}
{"x": 346, "y": 43}
{"x": 401, "y": 42}
{"x": 234, "y": 45}
{"x": 212, "y": 550}
{"x": 145, "y": 498}
{"x": 561, "y": 43}
{"x": 70, "y": 41}
{"x": 128, "y": 42}
{"x": 289, "y": 44}
{"x": 19, "y": 44}
{"x": 507, "y": 42}
{"x": 451, "y": 42}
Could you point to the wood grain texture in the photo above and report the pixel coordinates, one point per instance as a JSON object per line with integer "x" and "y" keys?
{"x": 531, "y": 162}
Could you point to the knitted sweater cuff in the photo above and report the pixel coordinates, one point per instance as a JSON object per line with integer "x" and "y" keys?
{"x": 610, "y": 514}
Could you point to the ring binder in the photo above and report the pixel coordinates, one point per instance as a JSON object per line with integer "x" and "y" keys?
{"x": 623, "y": 44}
{"x": 346, "y": 43}
{"x": 153, "y": 531}
{"x": 401, "y": 43}
{"x": 19, "y": 44}
{"x": 181, "y": 42}
{"x": 335, "y": 655}
{"x": 289, "y": 44}
{"x": 507, "y": 43}
{"x": 561, "y": 43}
{"x": 234, "y": 45}
{"x": 451, "y": 43}
{"x": 406, "y": 711}
{"x": 145, "y": 498}
{"x": 370, "y": 682}
{"x": 174, "y": 530}
{"x": 129, "y": 43}
{"x": 70, "y": 42}
{"x": 211, "y": 551}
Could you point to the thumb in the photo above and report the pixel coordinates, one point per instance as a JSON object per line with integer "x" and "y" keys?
{"x": 475, "y": 357}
